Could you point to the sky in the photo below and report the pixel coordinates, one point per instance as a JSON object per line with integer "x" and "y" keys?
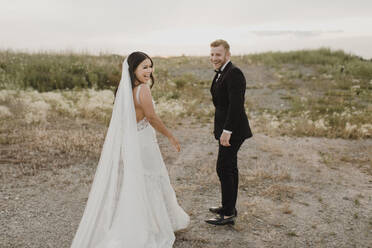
{"x": 185, "y": 27}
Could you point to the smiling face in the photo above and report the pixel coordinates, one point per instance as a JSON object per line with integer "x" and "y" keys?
{"x": 143, "y": 71}
{"x": 219, "y": 56}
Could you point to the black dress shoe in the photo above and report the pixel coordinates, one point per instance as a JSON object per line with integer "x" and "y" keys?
{"x": 218, "y": 210}
{"x": 222, "y": 220}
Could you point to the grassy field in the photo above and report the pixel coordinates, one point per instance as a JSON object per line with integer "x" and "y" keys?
{"x": 305, "y": 176}
{"x": 313, "y": 93}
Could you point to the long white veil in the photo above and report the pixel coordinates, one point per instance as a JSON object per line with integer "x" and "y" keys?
{"x": 117, "y": 208}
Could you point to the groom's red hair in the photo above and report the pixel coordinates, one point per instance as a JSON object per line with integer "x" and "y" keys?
{"x": 221, "y": 42}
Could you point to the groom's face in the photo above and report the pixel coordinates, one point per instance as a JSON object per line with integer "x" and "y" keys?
{"x": 219, "y": 56}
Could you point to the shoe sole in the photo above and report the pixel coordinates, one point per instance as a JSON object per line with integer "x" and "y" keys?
{"x": 227, "y": 223}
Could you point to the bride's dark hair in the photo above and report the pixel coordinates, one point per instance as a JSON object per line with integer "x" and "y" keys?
{"x": 134, "y": 59}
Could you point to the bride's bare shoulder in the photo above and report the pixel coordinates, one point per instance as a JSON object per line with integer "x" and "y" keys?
{"x": 145, "y": 93}
{"x": 145, "y": 88}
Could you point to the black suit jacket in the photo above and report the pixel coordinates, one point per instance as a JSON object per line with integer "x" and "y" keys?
{"x": 228, "y": 98}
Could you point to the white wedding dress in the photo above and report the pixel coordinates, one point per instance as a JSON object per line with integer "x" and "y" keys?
{"x": 131, "y": 203}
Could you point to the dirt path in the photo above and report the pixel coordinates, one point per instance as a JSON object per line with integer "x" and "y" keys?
{"x": 294, "y": 192}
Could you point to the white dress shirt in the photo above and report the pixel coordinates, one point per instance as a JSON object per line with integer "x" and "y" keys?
{"x": 222, "y": 68}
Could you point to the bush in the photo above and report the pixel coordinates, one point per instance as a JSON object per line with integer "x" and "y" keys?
{"x": 47, "y": 72}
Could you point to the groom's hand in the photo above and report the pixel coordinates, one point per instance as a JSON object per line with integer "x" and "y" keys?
{"x": 225, "y": 139}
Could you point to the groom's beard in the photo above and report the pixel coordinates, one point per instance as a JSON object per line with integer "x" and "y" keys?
{"x": 220, "y": 64}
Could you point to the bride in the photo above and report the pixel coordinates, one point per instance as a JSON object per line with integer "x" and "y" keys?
{"x": 132, "y": 203}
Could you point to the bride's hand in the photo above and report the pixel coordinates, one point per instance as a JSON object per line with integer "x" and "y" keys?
{"x": 175, "y": 143}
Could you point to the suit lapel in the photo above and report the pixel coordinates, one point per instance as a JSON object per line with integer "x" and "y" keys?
{"x": 224, "y": 72}
{"x": 213, "y": 83}
{"x": 221, "y": 78}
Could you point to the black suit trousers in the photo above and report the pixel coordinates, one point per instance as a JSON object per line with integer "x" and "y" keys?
{"x": 227, "y": 171}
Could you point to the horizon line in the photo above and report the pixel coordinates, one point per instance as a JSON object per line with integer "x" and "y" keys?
{"x": 106, "y": 53}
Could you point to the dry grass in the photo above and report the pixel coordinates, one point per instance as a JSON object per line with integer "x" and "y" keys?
{"x": 58, "y": 158}
{"x": 319, "y": 100}
{"x": 50, "y": 143}
{"x": 258, "y": 174}
{"x": 31, "y": 148}
{"x": 280, "y": 192}
{"x": 286, "y": 209}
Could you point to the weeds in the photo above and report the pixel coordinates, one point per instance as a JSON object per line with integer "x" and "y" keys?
{"x": 323, "y": 102}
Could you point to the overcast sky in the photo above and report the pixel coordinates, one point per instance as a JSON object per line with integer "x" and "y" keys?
{"x": 175, "y": 27}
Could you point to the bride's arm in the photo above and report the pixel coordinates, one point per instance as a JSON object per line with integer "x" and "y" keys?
{"x": 149, "y": 111}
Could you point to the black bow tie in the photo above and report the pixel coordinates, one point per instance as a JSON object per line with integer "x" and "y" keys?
{"x": 218, "y": 71}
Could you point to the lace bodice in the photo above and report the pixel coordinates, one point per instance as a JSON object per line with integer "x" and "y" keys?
{"x": 142, "y": 124}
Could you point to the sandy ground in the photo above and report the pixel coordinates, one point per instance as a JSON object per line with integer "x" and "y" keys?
{"x": 294, "y": 192}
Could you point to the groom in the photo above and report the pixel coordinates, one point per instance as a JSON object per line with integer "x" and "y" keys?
{"x": 231, "y": 127}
